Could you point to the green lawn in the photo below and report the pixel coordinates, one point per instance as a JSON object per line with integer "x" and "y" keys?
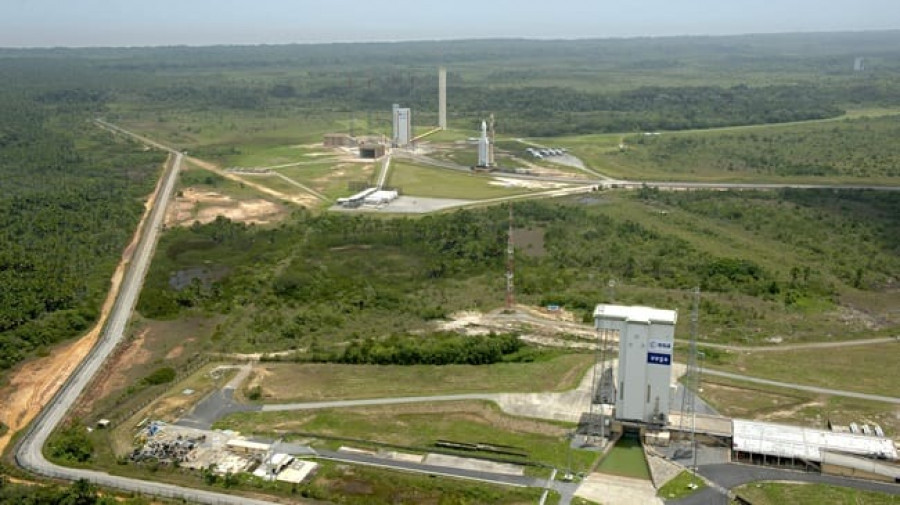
{"x": 626, "y": 458}
{"x": 255, "y": 156}
{"x": 443, "y": 183}
{"x": 679, "y": 487}
{"x": 290, "y": 382}
{"x": 276, "y": 183}
{"x": 865, "y": 368}
{"x": 448, "y": 135}
{"x": 776, "y": 493}
{"x": 421, "y": 425}
{"x": 835, "y": 150}
{"x": 330, "y": 177}
{"x": 746, "y": 400}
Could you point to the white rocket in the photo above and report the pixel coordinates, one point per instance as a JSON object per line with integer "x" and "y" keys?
{"x": 483, "y": 147}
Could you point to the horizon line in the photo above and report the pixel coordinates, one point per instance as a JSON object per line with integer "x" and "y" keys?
{"x": 448, "y": 40}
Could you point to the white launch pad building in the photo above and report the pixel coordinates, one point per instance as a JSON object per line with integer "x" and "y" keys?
{"x": 646, "y": 344}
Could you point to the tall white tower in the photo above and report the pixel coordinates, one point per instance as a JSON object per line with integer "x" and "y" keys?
{"x": 402, "y": 126}
{"x": 483, "y": 147}
{"x": 442, "y": 98}
{"x": 646, "y": 343}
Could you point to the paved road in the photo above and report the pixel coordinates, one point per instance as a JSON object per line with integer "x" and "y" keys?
{"x": 491, "y": 478}
{"x": 794, "y": 347}
{"x": 802, "y": 387}
{"x": 28, "y": 450}
{"x": 278, "y": 407}
{"x": 732, "y": 475}
{"x": 385, "y": 168}
{"x": 218, "y": 404}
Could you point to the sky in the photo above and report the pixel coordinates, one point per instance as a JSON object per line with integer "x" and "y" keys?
{"x": 77, "y": 23}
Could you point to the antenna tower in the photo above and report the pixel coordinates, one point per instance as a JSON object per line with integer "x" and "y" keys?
{"x": 510, "y": 262}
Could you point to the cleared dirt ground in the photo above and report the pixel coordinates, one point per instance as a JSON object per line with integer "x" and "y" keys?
{"x": 195, "y": 205}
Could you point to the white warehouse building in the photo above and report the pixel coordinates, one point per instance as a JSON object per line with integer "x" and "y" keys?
{"x": 646, "y": 344}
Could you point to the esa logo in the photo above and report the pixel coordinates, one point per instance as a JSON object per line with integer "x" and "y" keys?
{"x": 659, "y": 359}
{"x": 660, "y": 346}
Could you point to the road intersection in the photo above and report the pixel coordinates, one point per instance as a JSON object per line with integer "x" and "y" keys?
{"x": 29, "y": 449}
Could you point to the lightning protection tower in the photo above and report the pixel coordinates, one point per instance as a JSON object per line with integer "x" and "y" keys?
{"x": 690, "y": 385}
{"x": 490, "y": 160}
{"x": 510, "y": 262}
{"x": 442, "y": 98}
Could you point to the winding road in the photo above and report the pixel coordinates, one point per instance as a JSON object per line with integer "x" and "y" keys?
{"x": 28, "y": 451}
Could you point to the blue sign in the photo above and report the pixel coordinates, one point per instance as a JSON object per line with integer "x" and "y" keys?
{"x": 659, "y": 359}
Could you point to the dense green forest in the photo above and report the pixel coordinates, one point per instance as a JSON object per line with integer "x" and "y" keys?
{"x": 322, "y": 279}
{"x": 536, "y": 88}
{"x": 80, "y": 493}
{"x": 70, "y": 197}
{"x": 71, "y": 194}
{"x": 864, "y": 148}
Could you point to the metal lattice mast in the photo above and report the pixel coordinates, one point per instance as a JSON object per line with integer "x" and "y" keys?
{"x": 510, "y": 262}
{"x": 688, "y": 407}
{"x": 602, "y": 357}
{"x": 490, "y": 160}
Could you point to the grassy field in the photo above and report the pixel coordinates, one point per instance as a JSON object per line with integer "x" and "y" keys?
{"x": 339, "y": 483}
{"x": 223, "y": 133}
{"x": 202, "y": 179}
{"x": 626, "y": 458}
{"x": 275, "y": 183}
{"x": 151, "y": 345}
{"x": 677, "y": 488}
{"x": 421, "y": 425}
{"x": 440, "y": 183}
{"x": 331, "y": 178}
{"x": 848, "y": 151}
{"x": 864, "y": 368}
{"x": 289, "y": 382}
{"x": 776, "y": 493}
{"x": 263, "y": 156}
{"x": 779, "y": 405}
{"x": 781, "y": 237}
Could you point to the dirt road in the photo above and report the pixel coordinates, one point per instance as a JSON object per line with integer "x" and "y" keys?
{"x": 304, "y": 199}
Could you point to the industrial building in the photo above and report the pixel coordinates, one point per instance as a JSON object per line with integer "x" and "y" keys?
{"x": 371, "y": 150}
{"x": 846, "y": 454}
{"x": 380, "y": 197}
{"x": 402, "y": 123}
{"x": 338, "y": 140}
{"x": 370, "y": 196}
{"x": 643, "y": 387}
{"x": 805, "y": 444}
